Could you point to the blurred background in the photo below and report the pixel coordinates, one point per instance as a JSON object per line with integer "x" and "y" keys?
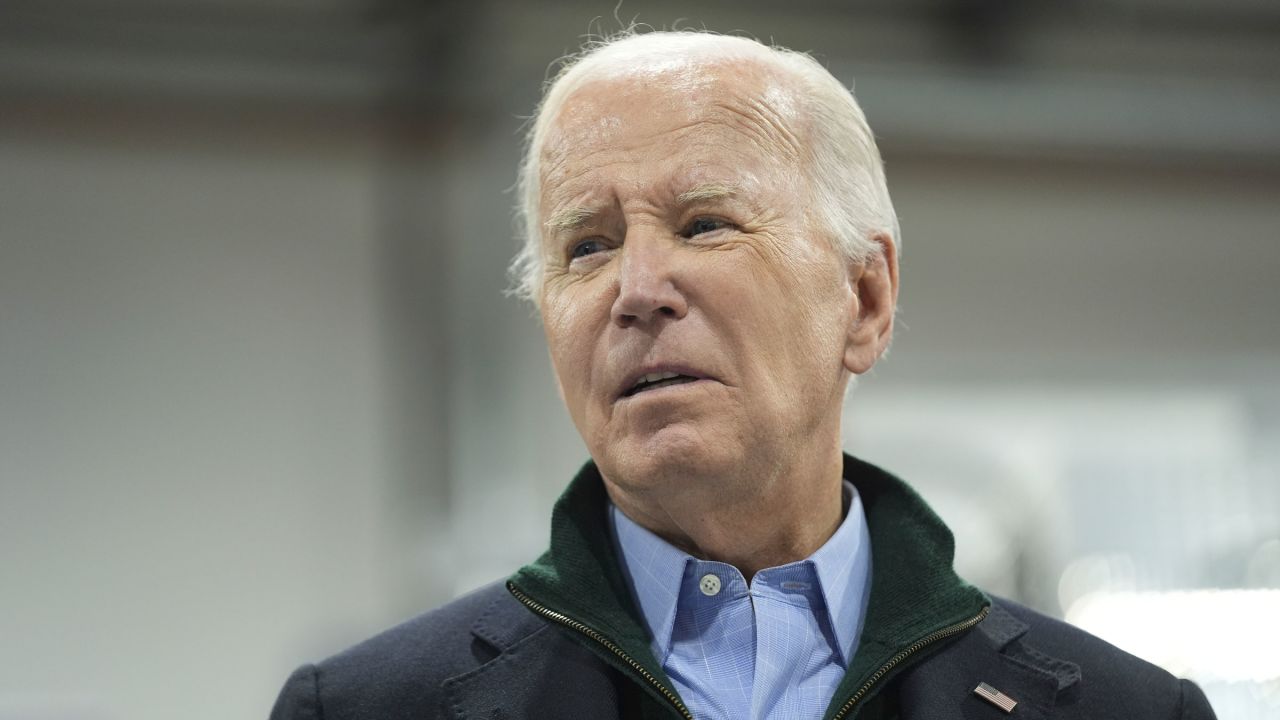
{"x": 259, "y": 384}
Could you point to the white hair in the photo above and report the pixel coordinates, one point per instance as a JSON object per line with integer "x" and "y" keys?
{"x": 844, "y": 166}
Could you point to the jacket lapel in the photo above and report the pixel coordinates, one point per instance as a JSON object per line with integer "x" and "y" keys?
{"x": 942, "y": 687}
{"x": 580, "y": 577}
{"x": 536, "y": 671}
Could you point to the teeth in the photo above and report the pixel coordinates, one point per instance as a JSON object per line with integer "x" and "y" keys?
{"x": 655, "y": 377}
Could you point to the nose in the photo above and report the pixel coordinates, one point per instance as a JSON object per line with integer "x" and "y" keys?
{"x": 647, "y": 288}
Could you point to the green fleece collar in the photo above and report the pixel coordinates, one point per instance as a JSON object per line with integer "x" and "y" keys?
{"x": 914, "y": 590}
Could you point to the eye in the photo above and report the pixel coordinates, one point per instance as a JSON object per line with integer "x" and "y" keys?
{"x": 704, "y": 225}
{"x": 587, "y": 247}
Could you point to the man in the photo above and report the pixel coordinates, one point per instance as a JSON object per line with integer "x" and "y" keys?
{"x": 713, "y": 251}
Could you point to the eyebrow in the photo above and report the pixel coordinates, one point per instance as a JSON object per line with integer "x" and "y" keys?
{"x": 707, "y": 191}
{"x": 569, "y": 219}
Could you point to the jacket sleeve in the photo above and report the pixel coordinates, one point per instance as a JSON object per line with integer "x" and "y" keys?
{"x": 1194, "y": 705}
{"x": 300, "y": 697}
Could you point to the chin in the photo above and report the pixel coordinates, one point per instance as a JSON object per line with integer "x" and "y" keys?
{"x": 668, "y": 458}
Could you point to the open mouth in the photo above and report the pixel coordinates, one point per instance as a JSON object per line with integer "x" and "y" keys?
{"x": 653, "y": 381}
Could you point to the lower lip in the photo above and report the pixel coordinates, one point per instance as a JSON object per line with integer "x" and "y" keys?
{"x": 666, "y": 391}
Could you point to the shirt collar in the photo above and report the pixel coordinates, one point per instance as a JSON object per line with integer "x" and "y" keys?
{"x": 655, "y": 570}
{"x": 843, "y": 564}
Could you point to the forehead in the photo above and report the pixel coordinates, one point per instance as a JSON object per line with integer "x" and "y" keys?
{"x": 711, "y": 120}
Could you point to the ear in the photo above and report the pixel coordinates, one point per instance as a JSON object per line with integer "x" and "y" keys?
{"x": 874, "y": 283}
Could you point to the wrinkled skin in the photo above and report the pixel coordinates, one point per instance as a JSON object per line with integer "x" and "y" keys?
{"x": 677, "y": 235}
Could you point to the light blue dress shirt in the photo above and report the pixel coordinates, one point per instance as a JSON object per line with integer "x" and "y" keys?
{"x": 774, "y": 648}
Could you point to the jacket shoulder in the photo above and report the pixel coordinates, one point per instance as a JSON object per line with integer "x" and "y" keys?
{"x": 1093, "y": 655}
{"x": 1098, "y": 677}
{"x": 398, "y": 673}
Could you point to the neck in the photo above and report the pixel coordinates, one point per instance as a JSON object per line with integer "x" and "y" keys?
{"x": 749, "y": 517}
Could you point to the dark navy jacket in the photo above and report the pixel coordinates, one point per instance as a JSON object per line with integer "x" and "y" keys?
{"x": 486, "y": 656}
{"x": 585, "y": 657}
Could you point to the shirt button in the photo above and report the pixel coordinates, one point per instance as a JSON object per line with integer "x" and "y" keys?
{"x": 709, "y": 585}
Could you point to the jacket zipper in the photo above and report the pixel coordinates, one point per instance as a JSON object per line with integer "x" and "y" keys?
{"x": 915, "y": 647}
{"x": 572, "y": 624}
{"x": 671, "y": 697}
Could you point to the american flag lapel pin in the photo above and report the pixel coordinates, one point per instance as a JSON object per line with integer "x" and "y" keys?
{"x": 995, "y": 697}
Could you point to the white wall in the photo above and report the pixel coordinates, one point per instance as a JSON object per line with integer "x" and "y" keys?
{"x": 193, "y": 431}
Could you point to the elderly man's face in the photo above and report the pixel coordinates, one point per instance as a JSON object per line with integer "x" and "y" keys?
{"x": 696, "y": 318}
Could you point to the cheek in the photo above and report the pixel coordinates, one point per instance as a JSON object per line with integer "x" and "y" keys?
{"x": 572, "y": 369}
{"x": 568, "y": 362}
{"x": 808, "y": 311}
{"x": 572, "y": 323}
